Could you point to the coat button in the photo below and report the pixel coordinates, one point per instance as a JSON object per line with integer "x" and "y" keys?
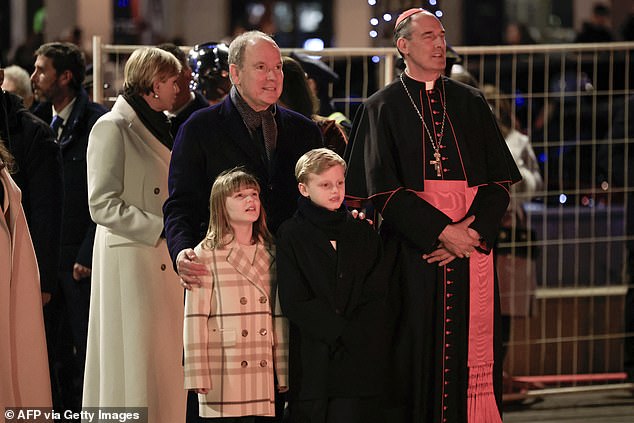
{"x": 244, "y": 364}
{"x": 263, "y": 332}
{"x": 243, "y": 300}
{"x": 163, "y": 267}
{"x": 263, "y": 300}
{"x": 263, "y": 363}
{"x": 245, "y": 332}
{"x": 157, "y": 190}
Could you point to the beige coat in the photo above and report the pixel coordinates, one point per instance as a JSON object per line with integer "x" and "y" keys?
{"x": 236, "y": 339}
{"x": 134, "y": 355}
{"x": 24, "y": 377}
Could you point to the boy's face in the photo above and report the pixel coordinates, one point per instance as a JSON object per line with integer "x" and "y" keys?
{"x": 326, "y": 190}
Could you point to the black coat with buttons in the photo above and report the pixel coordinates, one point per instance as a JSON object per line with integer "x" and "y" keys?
{"x": 335, "y": 302}
{"x": 78, "y": 229}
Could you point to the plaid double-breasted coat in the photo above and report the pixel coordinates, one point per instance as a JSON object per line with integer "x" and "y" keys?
{"x": 235, "y": 337}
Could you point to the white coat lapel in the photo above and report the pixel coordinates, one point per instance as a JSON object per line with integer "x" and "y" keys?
{"x": 155, "y": 146}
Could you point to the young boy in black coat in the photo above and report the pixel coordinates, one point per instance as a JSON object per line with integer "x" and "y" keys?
{"x": 332, "y": 287}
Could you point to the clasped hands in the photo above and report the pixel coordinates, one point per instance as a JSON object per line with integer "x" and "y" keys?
{"x": 457, "y": 240}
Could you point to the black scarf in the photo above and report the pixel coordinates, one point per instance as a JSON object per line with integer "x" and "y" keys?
{"x": 156, "y": 122}
{"x": 332, "y": 223}
{"x": 256, "y": 120}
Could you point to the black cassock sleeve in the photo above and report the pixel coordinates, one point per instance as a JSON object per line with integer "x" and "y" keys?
{"x": 385, "y": 166}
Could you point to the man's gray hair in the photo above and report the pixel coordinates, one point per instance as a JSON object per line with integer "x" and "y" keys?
{"x": 403, "y": 30}
{"x": 21, "y": 79}
{"x": 239, "y": 44}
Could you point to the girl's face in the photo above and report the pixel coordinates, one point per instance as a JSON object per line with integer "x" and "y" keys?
{"x": 243, "y": 206}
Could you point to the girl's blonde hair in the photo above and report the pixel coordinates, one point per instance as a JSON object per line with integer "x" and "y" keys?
{"x": 220, "y": 232}
{"x": 147, "y": 65}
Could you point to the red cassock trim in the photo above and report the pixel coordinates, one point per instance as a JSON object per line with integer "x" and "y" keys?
{"x": 454, "y": 199}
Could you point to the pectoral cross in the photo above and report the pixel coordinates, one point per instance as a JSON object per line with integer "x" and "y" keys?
{"x": 436, "y": 162}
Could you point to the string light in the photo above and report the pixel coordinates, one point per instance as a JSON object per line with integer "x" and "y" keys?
{"x": 389, "y": 14}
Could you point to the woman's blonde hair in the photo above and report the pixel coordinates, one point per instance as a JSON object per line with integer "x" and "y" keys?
{"x": 315, "y": 162}
{"x": 147, "y": 65}
{"x": 220, "y": 232}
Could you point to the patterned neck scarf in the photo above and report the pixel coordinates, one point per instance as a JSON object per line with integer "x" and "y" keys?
{"x": 254, "y": 120}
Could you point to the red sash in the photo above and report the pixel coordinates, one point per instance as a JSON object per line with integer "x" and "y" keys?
{"x": 454, "y": 199}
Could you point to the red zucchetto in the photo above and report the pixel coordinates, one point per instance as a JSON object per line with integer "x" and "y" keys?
{"x": 407, "y": 14}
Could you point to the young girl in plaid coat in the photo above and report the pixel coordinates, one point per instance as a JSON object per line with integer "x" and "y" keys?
{"x": 236, "y": 348}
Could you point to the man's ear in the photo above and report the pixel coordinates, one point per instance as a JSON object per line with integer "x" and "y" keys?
{"x": 65, "y": 78}
{"x": 303, "y": 190}
{"x": 234, "y": 74}
{"x": 401, "y": 45}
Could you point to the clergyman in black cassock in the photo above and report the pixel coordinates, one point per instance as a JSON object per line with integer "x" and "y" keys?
{"x": 427, "y": 152}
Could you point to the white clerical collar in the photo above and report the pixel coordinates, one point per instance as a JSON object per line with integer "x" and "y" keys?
{"x": 429, "y": 85}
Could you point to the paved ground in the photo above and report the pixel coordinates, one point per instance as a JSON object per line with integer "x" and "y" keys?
{"x": 603, "y": 407}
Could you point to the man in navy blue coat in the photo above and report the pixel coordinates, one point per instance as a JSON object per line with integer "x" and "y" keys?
{"x": 246, "y": 129}
{"x": 218, "y": 138}
{"x": 59, "y": 72}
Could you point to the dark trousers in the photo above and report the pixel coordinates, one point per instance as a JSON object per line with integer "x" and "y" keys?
{"x": 66, "y": 323}
{"x": 336, "y": 410}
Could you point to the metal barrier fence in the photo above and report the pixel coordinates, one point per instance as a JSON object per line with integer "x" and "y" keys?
{"x": 575, "y": 102}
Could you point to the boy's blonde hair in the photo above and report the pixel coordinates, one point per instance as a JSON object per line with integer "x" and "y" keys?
{"x": 227, "y": 183}
{"x": 316, "y": 162}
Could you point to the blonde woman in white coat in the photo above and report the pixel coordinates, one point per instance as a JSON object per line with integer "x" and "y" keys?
{"x": 134, "y": 356}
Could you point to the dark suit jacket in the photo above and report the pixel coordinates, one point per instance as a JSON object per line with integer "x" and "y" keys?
{"x": 216, "y": 139}
{"x": 335, "y": 350}
{"x": 78, "y": 229}
{"x": 39, "y": 176}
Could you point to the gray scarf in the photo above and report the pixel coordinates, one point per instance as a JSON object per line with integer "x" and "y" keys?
{"x": 254, "y": 120}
